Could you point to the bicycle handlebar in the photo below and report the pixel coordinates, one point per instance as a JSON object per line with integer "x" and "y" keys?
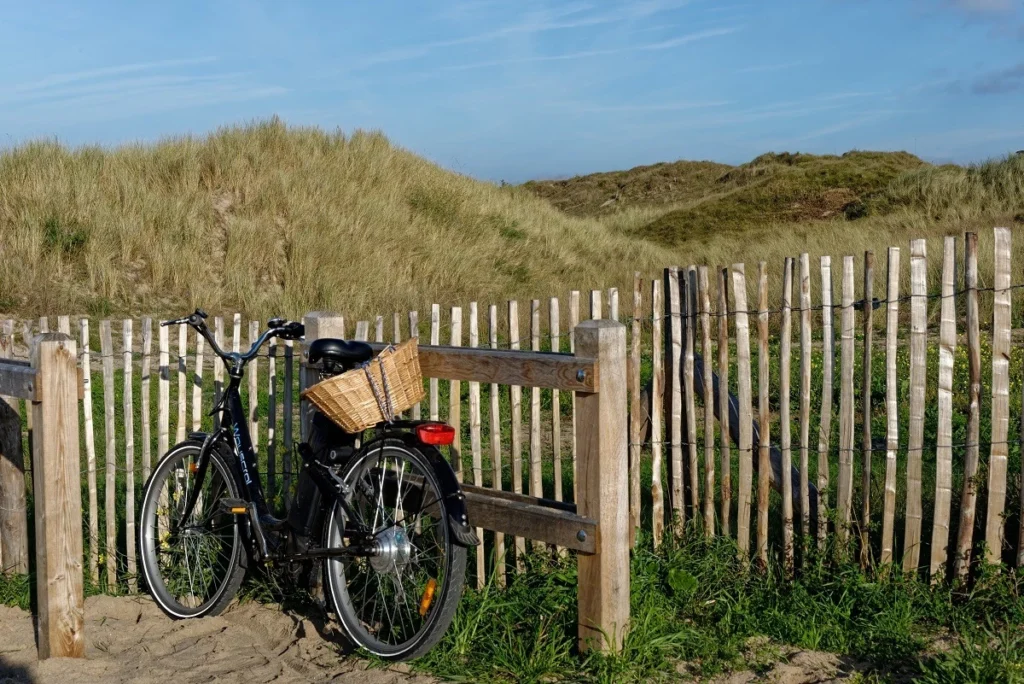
{"x": 279, "y": 327}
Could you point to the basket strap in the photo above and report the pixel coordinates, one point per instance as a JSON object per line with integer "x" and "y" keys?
{"x": 385, "y": 404}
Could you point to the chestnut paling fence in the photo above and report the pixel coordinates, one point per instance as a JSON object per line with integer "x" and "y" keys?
{"x": 878, "y": 415}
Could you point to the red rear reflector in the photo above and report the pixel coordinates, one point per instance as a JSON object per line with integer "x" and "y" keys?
{"x": 436, "y": 434}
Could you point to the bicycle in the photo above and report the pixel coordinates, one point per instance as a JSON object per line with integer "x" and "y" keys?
{"x": 386, "y": 519}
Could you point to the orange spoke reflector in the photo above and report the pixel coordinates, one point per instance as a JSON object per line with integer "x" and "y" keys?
{"x": 239, "y": 509}
{"x": 193, "y": 468}
{"x": 428, "y": 596}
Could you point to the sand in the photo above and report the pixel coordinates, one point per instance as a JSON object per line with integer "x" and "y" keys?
{"x": 128, "y": 639}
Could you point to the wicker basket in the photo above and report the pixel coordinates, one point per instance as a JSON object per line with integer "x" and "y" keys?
{"x": 374, "y": 393}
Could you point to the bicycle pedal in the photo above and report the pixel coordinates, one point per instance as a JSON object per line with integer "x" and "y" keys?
{"x": 235, "y": 506}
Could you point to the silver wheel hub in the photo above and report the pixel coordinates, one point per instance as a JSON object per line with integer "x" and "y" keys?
{"x": 392, "y": 550}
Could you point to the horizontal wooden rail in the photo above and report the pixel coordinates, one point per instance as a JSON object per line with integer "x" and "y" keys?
{"x": 504, "y": 367}
{"x": 530, "y": 517}
{"x": 18, "y": 379}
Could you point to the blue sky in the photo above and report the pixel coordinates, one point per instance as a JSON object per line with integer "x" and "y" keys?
{"x": 518, "y": 89}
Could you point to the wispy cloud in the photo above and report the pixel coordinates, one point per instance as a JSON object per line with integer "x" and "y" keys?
{"x": 759, "y": 68}
{"x": 657, "y": 107}
{"x": 584, "y": 54}
{"x": 91, "y": 74}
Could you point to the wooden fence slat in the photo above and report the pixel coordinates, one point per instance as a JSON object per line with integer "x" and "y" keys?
{"x": 785, "y": 430}
{"x": 944, "y": 432}
{"x": 145, "y": 436}
{"x": 805, "y": 394}
{"x": 378, "y": 329}
{"x": 825, "y": 416}
{"x": 110, "y": 438}
{"x": 844, "y": 490}
{"x": 163, "y": 397}
{"x": 674, "y": 390}
{"x": 197, "y": 385}
{"x": 44, "y": 325}
{"x": 865, "y": 397}
{"x": 689, "y": 403}
{"x": 474, "y": 436}
{"x": 657, "y": 445}
{"x": 64, "y": 325}
{"x": 362, "y": 331}
{"x": 516, "y": 396}
{"x": 435, "y": 339}
{"x": 574, "y": 320}
{"x": 999, "y": 451}
{"x": 14, "y": 549}
{"x": 182, "y": 381}
{"x": 918, "y": 373}
{"x": 892, "y": 429}
{"x": 218, "y": 366}
{"x": 636, "y": 420}
{"x": 90, "y": 455}
{"x": 709, "y": 401}
{"x": 536, "y": 483}
{"x": 396, "y": 329}
{"x": 745, "y": 451}
{"x": 129, "y": 455}
{"x": 272, "y": 417}
{"x": 725, "y": 446}
{"x": 286, "y": 408}
{"x": 414, "y": 332}
{"x": 763, "y": 415}
{"x": 595, "y": 304}
{"x": 455, "y": 398}
{"x": 495, "y": 437}
{"x": 252, "y": 373}
{"x": 969, "y": 497}
{"x": 556, "y": 404}
{"x": 613, "y": 303}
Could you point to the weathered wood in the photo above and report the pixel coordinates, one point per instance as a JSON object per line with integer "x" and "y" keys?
{"x": 574, "y": 320}
{"x": 90, "y": 456}
{"x": 236, "y": 333}
{"x": 825, "y": 416}
{"x": 163, "y": 397}
{"x": 556, "y": 413}
{"x": 844, "y": 490}
{"x": 745, "y": 451}
{"x": 44, "y": 325}
{"x": 19, "y": 382}
{"x": 272, "y": 417}
{"x": 709, "y": 401}
{"x": 58, "y": 499}
{"x": 657, "y": 445}
{"x": 865, "y": 397}
{"x": 636, "y": 419}
{"x": 805, "y": 394}
{"x": 252, "y": 374}
{"x": 674, "y": 390}
{"x": 197, "y": 385}
{"x": 128, "y": 419}
{"x": 13, "y": 520}
{"x": 435, "y": 339}
{"x": 495, "y": 438}
{"x": 763, "y": 416}
{"x": 144, "y": 410}
{"x": 64, "y": 325}
{"x": 362, "y": 331}
{"x": 603, "y": 594}
{"x": 892, "y": 426}
{"x": 524, "y": 515}
{"x": 109, "y": 435}
{"x": 455, "y": 398}
{"x": 378, "y": 328}
{"x": 994, "y": 522}
{"x": 414, "y": 332}
{"x": 319, "y": 325}
{"x": 969, "y": 497}
{"x": 218, "y": 366}
{"x": 918, "y": 375}
{"x": 182, "y": 381}
{"x": 785, "y": 430}
{"x": 725, "y": 446}
{"x": 474, "y": 434}
{"x": 26, "y": 331}
{"x": 286, "y": 408}
{"x": 516, "y": 399}
{"x": 595, "y": 305}
{"x": 944, "y": 432}
{"x": 536, "y": 483}
{"x": 613, "y": 303}
{"x": 689, "y": 282}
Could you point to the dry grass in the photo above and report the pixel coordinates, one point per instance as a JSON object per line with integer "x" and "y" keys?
{"x": 265, "y": 219}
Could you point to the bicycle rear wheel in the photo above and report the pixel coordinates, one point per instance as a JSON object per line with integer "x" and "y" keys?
{"x": 192, "y": 567}
{"x": 398, "y": 603}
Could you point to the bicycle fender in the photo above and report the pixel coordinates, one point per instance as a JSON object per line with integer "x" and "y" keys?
{"x": 455, "y": 500}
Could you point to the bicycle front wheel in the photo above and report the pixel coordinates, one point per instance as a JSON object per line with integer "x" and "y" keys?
{"x": 192, "y": 567}
{"x": 397, "y": 603}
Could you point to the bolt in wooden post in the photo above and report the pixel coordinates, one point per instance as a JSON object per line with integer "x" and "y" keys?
{"x": 603, "y": 597}
{"x": 58, "y": 498}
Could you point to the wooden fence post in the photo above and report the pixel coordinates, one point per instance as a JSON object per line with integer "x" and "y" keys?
{"x": 13, "y": 520}
{"x": 58, "y": 498}
{"x": 603, "y": 598}
{"x": 319, "y": 324}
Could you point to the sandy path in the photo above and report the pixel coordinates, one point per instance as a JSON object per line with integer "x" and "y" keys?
{"x": 130, "y": 640}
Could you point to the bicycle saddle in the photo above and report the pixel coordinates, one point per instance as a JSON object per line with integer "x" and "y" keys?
{"x": 341, "y": 352}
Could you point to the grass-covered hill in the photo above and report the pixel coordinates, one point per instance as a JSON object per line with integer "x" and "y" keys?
{"x": 265, "y": 219}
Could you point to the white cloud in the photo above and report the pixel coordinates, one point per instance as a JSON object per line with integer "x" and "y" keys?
{"x": 91, "y": 74}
